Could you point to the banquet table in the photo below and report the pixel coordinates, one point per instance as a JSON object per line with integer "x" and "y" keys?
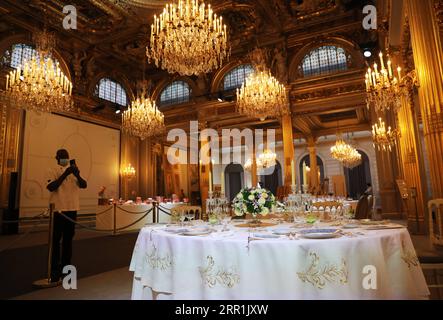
{"x": 128, "y": 214}
{"x": 236, "y": 265}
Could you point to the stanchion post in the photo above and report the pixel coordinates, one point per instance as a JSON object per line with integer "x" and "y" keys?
{"x": 154, "y": 211}
{"x": 115, "y": 219}
{"x": 46, "y": 283}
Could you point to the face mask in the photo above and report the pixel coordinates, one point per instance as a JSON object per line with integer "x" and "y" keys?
{"x": 64, "y": 162}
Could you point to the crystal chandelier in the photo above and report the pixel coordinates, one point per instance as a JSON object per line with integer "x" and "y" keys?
{"x": 262, "y": 95}
{"x": 128, "y": 172}
{"x": 384, "y": 90}
{"x": 345, "y": 153}
{"x": 384, "y": 139}
{"x": 352, "y": 159}
{"x": 39, "y": 84}
{"x": 143, "y": 119}
{"x": 188, "y": 38}
{"x": 266, "y": 159}
{"x": 248, "y": 165}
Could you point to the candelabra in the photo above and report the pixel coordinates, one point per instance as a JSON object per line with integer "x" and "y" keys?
{"x": 384, "y": 89}
{"x": 384, "y": 139}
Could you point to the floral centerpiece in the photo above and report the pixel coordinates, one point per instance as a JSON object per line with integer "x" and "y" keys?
{"x": 255, "y": 201}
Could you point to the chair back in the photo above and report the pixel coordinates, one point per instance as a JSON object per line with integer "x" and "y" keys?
{"x": 184, "y": 209}
{"x": 362, "y": 210}
{"x": 435, "y": 209}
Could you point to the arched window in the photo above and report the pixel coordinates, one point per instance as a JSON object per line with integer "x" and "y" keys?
{"x": 17, "y": 55}
{"x": 110, "y": 90}
{"x": 20, "y": 53}
{"x": 323, "y": 60}
{"x": 235, "y": 78}
{"x": 175, "y": 93}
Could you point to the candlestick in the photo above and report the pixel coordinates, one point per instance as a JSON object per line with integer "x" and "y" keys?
{"x": 304, "y": 174}
{"x": 390, "y": 69}
{"x": 399, "y": 73}
{"x": 381, "y": 60}
{"x": 293, "y": 172}
{"x": 222, "y": 177}
{"x": 210, "y": 181}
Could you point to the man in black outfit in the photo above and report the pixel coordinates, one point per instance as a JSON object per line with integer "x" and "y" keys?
{"x": 64, "y": 183}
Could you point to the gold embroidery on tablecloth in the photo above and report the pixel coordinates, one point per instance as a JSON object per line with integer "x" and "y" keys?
{"x": 212, "y": 275}
{"x": 158, "y": 262}
{"x": 409, "y": 256}
{"x": 318, "y": 275}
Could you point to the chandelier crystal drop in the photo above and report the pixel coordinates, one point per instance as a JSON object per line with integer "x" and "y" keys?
{"x": 266, "y": 159}
{"x": 39, "y": 84}
{"x": 188, "y": 38}
{"x": 143, "y": 119}
{"x": 383, "y": 88}
{"x": 384, "y": 139}
{"x": 345, "y": 153}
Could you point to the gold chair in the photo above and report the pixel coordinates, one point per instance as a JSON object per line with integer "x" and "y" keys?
{"x": 435, "y": 209}
{"x": 184, "y": 209}
{"x": 328, "y": 204}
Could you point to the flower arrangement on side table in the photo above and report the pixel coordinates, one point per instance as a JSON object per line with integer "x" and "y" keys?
{"x": 255, "y": 201}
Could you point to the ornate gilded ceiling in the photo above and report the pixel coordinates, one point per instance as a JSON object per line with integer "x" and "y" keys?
{"x": 112, "y": 36}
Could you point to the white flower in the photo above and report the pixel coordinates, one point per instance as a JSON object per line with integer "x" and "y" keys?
{"x": 251, "y": 197}
{"x": 240, "y": 195}
{"x": 261, "y": 201}
{"x": 264, "y": 195}
{"x": 264, "y": 211}
{"x": 238, "y": 212}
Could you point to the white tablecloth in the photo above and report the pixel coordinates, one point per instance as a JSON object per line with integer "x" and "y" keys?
{"x": 170, "y": 266}
{"x": 127, "y": 214}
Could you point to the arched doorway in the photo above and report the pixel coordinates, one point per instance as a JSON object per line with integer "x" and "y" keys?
{"x": 358, "y": 177}
{"x": 234, "y": 179}
{"x": 274, "y": 180}
{"x": 307, "y": 160}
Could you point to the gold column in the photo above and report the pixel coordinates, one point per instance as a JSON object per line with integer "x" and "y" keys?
{"x": 428, "y": 57}
{"x": 409, "y": 150}
{"x": 11, "y": 135}
{"x": 130, "y": 155}
{"x": 388, "y": 172}
{"x": 313, "y": 163}
{"x": 288, "y": 147}
{"x": 204, "y": 172}
{"x": 254, "y": 178}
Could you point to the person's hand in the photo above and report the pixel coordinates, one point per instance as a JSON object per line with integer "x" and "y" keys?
{"x": 69, "y": 170}
{"x": 75, "y": 170}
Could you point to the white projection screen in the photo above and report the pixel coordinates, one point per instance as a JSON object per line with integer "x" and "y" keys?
{"x": 95, "y": 148}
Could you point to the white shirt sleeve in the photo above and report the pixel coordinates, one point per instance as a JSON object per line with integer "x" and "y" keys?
{"x": 50, "y": 176}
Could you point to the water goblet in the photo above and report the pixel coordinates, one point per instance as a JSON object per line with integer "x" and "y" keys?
{"x": 182, "y": 219}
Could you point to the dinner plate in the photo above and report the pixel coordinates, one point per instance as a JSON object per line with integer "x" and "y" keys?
{"x": 326, "y": 233}
{"x": 265, "y": 235}
{"x": 373, "y": 222}
{"x": 282, "y": 231}
{"x": 175, "y": 229}
{"x": 196, "y": 233}
{"x": 383, "y": 227}
{"x": 351, "y": 226}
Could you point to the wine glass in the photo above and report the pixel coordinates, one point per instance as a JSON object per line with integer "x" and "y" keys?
{"x": 226, "y": 219}
{"x": 190, "y": 216}
{"x": 182, "y": 218}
